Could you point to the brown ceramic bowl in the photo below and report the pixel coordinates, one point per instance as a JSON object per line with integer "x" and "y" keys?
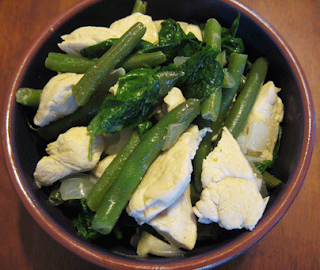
{"x": 23, "y": 149}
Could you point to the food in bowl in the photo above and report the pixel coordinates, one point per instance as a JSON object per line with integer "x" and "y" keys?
{"x": 157, "y": 127}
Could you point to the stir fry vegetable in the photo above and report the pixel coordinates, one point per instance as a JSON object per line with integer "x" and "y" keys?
{"x": 137, "y": 96}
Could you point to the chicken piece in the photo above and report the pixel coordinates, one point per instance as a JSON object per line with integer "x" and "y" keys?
{"x": 191, "y": 28}
{"x": 233, "y": 202}
{"x": 174, "y": 98}
{"x": 68, "y": 155}
{"x": 86, "y": 36}
{"x": 226, "y": 160}
{"x": 230, "y": 193}
{"x": 124, "y": 24}
{"x": 269, "y": 110}
{"x": 99, "y": 169}
{"x": 167, "y": 178}
{"x": 57, "y": 100}
{"x": 178, "y": 224}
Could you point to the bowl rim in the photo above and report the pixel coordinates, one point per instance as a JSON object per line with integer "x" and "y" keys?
{"x": 213, "y": 258}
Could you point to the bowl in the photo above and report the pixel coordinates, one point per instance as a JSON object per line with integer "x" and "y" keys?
{"x": 23, "y": 152}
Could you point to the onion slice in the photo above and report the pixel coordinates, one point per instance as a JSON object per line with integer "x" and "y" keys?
{"x": 76, "y": 186}
{"x": 257, "y": 136}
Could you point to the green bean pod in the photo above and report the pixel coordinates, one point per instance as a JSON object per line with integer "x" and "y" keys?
{"x": 241, "y": 109}
{"x": 202, "y": 152}
{"x": 63, "y": 63}
{"x": 236, "y": 66}
{"x": 210, "y": 107}
{"x": 212, "y": 35}
{"x": 143, "y": 60}
{"x": 87, "y": 85}
{"x": 271, "y": 181}
{"x": 105, "y": 181}
{"x": 28, "y": 96}
{"x": 140, "y": 6}
{"x": 137, "y": 164}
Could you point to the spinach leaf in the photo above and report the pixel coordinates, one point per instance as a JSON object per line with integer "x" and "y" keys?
{"x": 173, "y": 41}
{"x": 170, "y": 33}
{"x": 83, "y": 222}
{"x": 229, "y": 42}
{"x": 203, "y": 74}
{"x": 206, "y": 80}
{"x": 137, "y": 93}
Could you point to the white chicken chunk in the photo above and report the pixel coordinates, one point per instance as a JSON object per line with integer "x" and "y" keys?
{"x": 230, "y": 193}
{"x": 99, "y": 169}
{"x": 233, "y": 202}
{"x": 178, "y": 224}
{"x": 124, "y": 24}
{"x": 85, "y": 36}
{"x": 57, "y": 100}
{"x": 191, "y": 28}
{"x": 267, "y": 114}
{"x": 226, "y": 160}
{"x": 174, "y": 98}
{"x": 68, "y": 155}
{"x": 167, "y": 178}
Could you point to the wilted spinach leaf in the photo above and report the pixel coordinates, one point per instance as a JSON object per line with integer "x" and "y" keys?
{"x": 203, "y": 74}
{"x": 173, "y": 41}
{"x": 83, "y": 222}
{"x": 138, "y": 91}
{"x": 229, "y": 42}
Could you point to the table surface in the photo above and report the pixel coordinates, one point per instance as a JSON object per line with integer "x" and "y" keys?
{"x": 292, "y": 244}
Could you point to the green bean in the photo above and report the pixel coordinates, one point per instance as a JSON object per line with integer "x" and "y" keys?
{"x": 236, "y": 67}
{"x": 63, "y": 63}
{"x": 212, "y": 35}
{"x": 144, "y": 60}
{"x": 105, "y": 181}
{"x": 140, "y": 6}
{"x": 99, "y": 49}
{"x": 211, "y": 106}
{"x": 271, "y": 181}
{"x": 80, "y": 117}
{"x": 28, "y": 96}
{"x": 87, "y": 85}
{"x": 241, "y": 109}
{"x": 71, "y": 63}
{"x": 137, "y": 164}
{"x": 202, "y": 152}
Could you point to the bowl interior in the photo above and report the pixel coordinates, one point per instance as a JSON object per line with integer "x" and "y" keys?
{"x": 259, "y": 41}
